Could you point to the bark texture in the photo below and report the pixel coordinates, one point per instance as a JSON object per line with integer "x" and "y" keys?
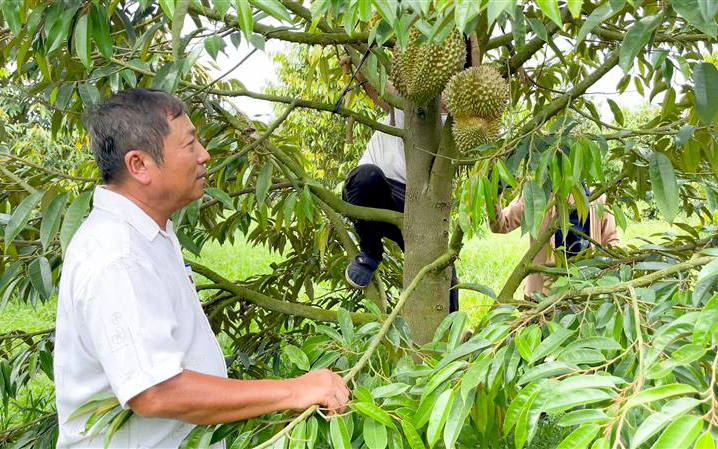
{"x": 427, "y": 215}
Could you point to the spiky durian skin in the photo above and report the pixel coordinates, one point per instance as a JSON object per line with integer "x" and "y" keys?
{"x": 422, "y": 70}
{"x": 470, "y": 132}
{"x": 478, "y": 92}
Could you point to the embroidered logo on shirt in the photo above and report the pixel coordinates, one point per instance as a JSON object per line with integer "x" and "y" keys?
{"x": 116, "y": 331}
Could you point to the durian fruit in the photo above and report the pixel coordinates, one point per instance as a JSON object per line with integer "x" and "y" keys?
{"x": 422, "y": 70}
{"x": 478, "y": 92}
{"x": 470, "y": 132}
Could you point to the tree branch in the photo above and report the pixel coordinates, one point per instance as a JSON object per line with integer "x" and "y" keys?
{"x": 622, "y": 286}
{"x": 275, "y": 305}
{"x": 269, "y": 32}
{"x": 560, "y": 103}
{"x": 16, "y": 179}
{"x": 277, "y": 186}
{"x": 357, "y": 212}
{"x": 48, "y": 170}
{"x": 308, "y": 104}
{"x": 265, "y": 135}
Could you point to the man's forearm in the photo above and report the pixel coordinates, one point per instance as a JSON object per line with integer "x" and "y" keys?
{"x": 203, "y": 399}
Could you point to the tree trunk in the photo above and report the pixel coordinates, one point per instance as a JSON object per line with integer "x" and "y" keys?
{"x": 426, "y": 218}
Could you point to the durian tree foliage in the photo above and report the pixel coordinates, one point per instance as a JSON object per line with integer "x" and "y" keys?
{"x": 620, "y": 353}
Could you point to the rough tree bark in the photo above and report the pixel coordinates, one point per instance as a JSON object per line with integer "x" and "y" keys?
{"x": 426, "y": 218}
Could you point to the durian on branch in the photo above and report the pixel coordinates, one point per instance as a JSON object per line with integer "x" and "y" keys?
{"x": 477, "y": 98}
{"x": 420, "y": 72}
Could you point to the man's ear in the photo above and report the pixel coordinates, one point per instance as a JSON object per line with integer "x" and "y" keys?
{"x": 139, "y": 165}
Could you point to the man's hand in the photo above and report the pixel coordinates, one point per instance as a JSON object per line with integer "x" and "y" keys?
{"x": 321, "y": 387}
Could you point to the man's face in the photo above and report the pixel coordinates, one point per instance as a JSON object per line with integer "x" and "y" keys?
{"x": 181, "y": 177}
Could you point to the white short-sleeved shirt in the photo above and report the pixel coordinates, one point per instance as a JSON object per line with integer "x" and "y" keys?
{"x": 128, "y": 318}
{"x": 387, "y": 151}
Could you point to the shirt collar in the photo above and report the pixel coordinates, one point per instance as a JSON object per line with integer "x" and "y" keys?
{"x": 125, "y": 209}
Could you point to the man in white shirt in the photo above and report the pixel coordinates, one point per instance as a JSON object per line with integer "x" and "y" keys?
{"x": 129, "y": 321}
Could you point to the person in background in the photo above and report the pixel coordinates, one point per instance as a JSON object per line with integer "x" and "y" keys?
{"x": 601, "y": 229}
{"x": 129, "y": 321}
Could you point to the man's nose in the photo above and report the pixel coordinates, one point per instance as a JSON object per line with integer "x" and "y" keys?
{"x": 204, "y": 155}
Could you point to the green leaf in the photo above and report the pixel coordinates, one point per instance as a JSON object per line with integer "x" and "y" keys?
{"x": 477, "y": 288}
{"x": 534, "y": 207}
{"x": 636, "y": 38}
{"x": 581, "y": 437}
{"x": 705, "y": 442}
{"x": 550, "y": 344}
{"x": 40, "y": 275}
{"x": 346, "y": 325}
{"x": 374, "y": 412}
{"x": 374, "y": 433}
{"x": 548, "y": 369}
{"x": 60, "y": 29}
{"x": 438, "y": 416}
{"x": 587, "y": 381}
{"x": 665, "y": 185}
{"x": 312, "y": 432}
{"x": 455, "y": 422}
{"x": 387, "y": 11}
{"x": 597, "y": 16}
{"x": 412, "y": 436}
{"x": 89, "y": 94}
{"x": 680, "y": 434}
{"x": 387, "y": 391}
{"x": 73, "y": 217}
{"x": 705, "y": 80}
{"x": 692, "y": 11}
{"x": 657, "y": 421}
{"x": 440, "y": 377}
{"x": 178, "y": 16}
{"x": 706, "y": 279}
{"x": 242, "y": 441}
{"x": 495, "y": 8}
{"x": 661, "y": 392}
{"x": 474, "y": 376}
{"x": 213, "y": 45}
{"x": 617, "y": 113}
{"x": 221, "y": 196}
{"x": 244, "y": 17}
{"x": 51, "y": 220}
{"x": 575, "y": 398}
{"x": 619, "y": 216}
{"x": 297, "y": 356}
{"x": 518, "y": 404}
{"x": 82, "y": 40}
{"x": 264, "y": 180}
{"x": 574, "y": 6}
{"x": 11, "y": 13}
{"x": 298, "y": 440}
{"x": 600, "y": 343}
{"x": 583, "y": 416}
{"x": 505, "y": 174}
{"x": 338, "y": 433}
{"x": 101, "y": 31}
{"x": 20, "y": 216}
{"x": 464, "y": 12}
{"x": 274, "y": 8}
{"x": 706, "y": 324}
{"x": 550, "y": 8}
